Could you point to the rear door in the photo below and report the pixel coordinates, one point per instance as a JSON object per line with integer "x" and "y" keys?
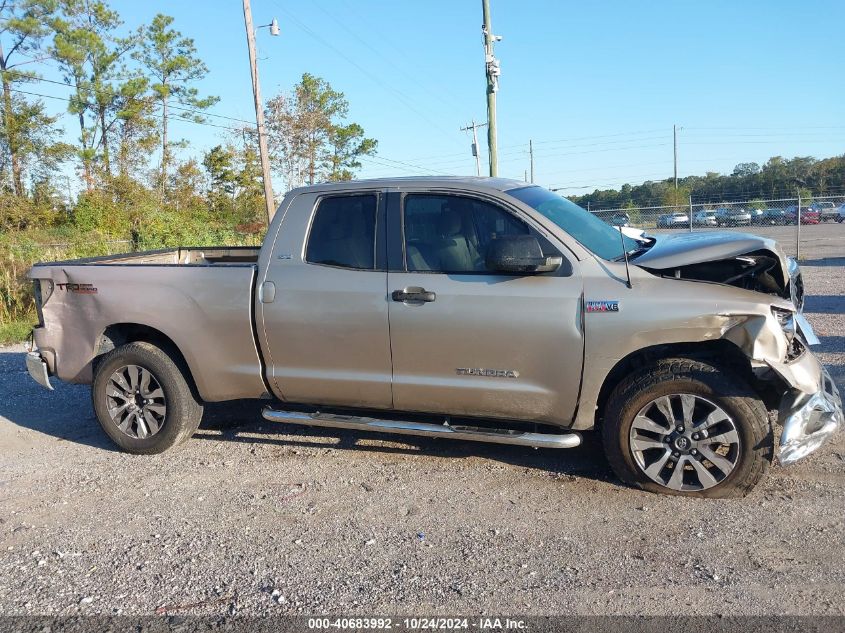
{"x": 469, "y": 341}
{"x": 324, "y": 305}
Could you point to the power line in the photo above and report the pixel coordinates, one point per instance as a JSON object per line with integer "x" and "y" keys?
{"x": 398, "y": 94}
{"x": 384, "y": 57}
{"x": 772, "y": 142}
{"x": 523, "y": 149}
{"x": 791, "y": 127}
{"x": 586, "y": 138}
{"x": 389, "y": 161}
{"x": 91, "y": 105}
{"x": 402, "y": 163}
{"x": 169, "y": 105}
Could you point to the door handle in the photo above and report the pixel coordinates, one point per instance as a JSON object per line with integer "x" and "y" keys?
{"x": 413, "y": 294}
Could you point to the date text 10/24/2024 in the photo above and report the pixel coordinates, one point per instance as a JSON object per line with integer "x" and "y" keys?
{"x": 417, "y": 624}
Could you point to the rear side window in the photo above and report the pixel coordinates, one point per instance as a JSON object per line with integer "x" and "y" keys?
{"x": 343, "y": 233}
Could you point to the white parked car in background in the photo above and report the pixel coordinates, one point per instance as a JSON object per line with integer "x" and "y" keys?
{"x": 706, "y": 217}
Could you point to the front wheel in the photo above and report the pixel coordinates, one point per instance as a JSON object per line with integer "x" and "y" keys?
{"x": 684, "y": 427}
{"x": 143, "y": 399}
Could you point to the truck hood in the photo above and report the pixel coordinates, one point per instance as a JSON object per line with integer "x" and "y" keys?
{"x": 737, "y": 259}
{"x": 683, "y": 249}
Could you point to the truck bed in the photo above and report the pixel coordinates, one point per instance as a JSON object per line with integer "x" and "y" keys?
{"x": 201, "y": 299}
{"x": 181, "y": 256}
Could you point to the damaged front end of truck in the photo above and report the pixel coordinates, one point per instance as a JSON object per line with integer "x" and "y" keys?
{"x": 777, "y": 345}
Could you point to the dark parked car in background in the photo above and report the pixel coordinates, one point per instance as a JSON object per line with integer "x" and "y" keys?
{"x": 673, "y": 221}
{"x": 758, "y": 216}
{"x": 733, "y": 217}
{"x": 620, "y": 219}
{"x": 776, "y": 216}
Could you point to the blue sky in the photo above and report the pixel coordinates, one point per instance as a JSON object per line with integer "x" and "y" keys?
{"x": 596, "y": 85}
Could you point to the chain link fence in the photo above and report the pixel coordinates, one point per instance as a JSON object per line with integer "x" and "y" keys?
{"x": 800, "y": 226}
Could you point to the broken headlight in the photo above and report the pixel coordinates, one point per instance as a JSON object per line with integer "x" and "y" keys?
{"x": 786, "y": 320}
{"x": 796, "y": 283}
{"x": 42, "y": 289}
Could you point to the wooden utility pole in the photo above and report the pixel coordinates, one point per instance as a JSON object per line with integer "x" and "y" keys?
{"x": 492, "y": 70}
{"x": 259, "y": 116}
{"x": 531, "y": 152}
{"x": 475, "y": 151}
{"x": 675, "y": 142}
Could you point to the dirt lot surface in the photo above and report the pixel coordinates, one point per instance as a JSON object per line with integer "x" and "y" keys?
{"x": 254, "y": 518}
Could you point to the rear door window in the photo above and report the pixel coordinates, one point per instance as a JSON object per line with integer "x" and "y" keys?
{"x": 343, "y": 232}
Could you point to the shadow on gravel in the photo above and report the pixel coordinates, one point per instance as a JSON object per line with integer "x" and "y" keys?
{"x": 65, "y": 414}
{"x": 824, "y": 261}
{"x": 825, "y": 304}
{"x": 234, "y": 419}
{"x": 832, "y": 344}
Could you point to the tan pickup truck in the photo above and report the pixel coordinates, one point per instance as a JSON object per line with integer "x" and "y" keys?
{"x": 464, "y": 308}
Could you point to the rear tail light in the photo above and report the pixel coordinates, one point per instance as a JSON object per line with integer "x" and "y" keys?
{"x": 42, "y": 291}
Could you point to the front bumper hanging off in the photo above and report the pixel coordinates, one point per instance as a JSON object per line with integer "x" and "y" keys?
{"x": 811, "y": 411}
{"x": 809, "y": 419}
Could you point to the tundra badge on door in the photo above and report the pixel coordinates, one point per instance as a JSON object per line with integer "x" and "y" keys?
{"x": 493, "y": 373}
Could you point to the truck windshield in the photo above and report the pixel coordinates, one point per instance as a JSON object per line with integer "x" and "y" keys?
{"x": 592, "y": 233}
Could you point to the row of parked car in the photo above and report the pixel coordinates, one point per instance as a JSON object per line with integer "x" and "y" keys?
{"x": 736, "y": 216}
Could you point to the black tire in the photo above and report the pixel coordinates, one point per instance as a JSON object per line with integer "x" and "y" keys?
{"x": 183, "y": 409}
{"x": 684, "y": 376}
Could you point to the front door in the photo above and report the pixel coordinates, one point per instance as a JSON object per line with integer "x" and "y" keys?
{"x": 469, "y": 341}
{"x": 325, "y": 327}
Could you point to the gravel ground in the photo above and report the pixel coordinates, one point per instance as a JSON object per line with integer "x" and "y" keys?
{"x": 254, "y": 518}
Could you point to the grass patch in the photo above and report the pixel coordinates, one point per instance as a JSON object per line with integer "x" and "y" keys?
{"x": 15, "y": 331}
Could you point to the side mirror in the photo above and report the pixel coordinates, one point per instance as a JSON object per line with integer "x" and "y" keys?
{"x": 520, "y": 254}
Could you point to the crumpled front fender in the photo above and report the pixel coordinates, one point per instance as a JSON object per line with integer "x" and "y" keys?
{"x": 811, "y": 408}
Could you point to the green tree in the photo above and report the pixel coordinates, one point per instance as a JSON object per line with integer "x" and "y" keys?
{"x": 136, "y": 135}
{"x": 308, "y": 135}
{"x": 172, "y": 61}
{"x": 677, "y": 198}
{"x": 219, "y": 163}
{"x": 89, "y": 55}
{"x": 30, "y": 141}
{"x": 346, "y": 143}
{"x": 25, "y": 126}
{"x": 186, "y": 186}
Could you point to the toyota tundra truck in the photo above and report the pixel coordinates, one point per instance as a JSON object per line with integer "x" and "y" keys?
{"x": 473, "y": 309}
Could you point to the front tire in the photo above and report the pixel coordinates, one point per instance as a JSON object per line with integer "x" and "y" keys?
{"x": 143, "y": 399}
{"x": 684, "y": 427}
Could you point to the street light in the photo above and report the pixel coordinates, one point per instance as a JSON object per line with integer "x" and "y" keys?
{"x": 273, "y": 26}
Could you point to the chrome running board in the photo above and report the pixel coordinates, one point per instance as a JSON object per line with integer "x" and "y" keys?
{"x": 472, "y": 433}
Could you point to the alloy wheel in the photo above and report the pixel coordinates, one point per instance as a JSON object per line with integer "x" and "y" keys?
{"x": 684, "y": 442}
{"x": 136, "y": 401}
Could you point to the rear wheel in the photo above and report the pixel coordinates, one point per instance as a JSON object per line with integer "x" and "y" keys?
{"x": 143, "y": 399}
{"x": 684, "y": 427}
